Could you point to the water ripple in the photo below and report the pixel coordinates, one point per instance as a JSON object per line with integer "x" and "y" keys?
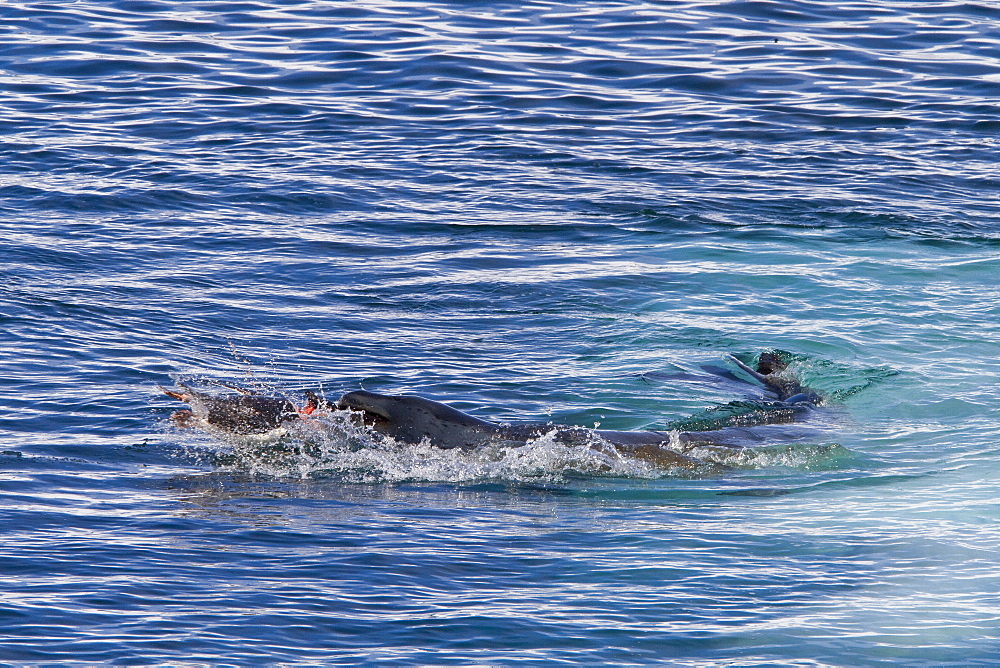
{"x": 531, "y": 210}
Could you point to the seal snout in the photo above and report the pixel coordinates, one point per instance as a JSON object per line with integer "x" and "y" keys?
{"x": 366, "y": 402}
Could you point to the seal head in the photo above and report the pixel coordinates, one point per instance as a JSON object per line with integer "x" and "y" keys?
{"x": 414, "y": 419}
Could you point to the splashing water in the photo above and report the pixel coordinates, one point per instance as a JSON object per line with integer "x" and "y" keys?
{"x": 332, "y": 443}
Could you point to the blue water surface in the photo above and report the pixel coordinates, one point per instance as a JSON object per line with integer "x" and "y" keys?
{"x": 540, "y": 211}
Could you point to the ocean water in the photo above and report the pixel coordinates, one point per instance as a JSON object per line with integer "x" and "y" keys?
{"x": 542, "y": 211}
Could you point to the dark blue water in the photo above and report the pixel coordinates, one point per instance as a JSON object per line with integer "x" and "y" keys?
{"x": 533, "y": 211}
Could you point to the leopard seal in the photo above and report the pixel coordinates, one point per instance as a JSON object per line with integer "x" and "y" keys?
{"x": 416, "y": 420}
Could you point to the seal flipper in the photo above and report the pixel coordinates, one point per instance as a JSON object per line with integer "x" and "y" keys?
{"x": 770, "y": 372}
{"x": 753, "y": 372}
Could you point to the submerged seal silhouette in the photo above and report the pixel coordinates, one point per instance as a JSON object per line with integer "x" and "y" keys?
{"x": 415, "y": 420}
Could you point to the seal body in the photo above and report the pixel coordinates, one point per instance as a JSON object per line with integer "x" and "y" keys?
{"x": 415, "y": 420}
